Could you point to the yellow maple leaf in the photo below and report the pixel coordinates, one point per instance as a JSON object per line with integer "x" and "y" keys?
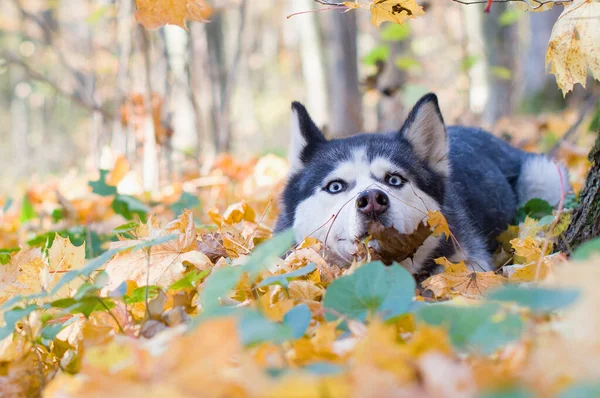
{"x": 574, "y": 45}
{"x": 527, "y": 273}
{"x": 167, "y": 260}
{"x": 23, "y": 274}
{"x": 396, "y": 11}
{"x": 438, "y": 223}
{"x": 528, "y": 249}
{"x": 153, "y": 14}
{"x": 458, "y": 279}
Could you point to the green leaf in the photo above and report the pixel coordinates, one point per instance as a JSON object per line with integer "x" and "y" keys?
{"x": 475, "y": 328}
{"x": 57, "y": 215}
{"x": 85, "y": 305}
{"x": 589, "y": 389}
{"x": 324, "y": 368}
{"x": 371, "y": 288}
{"x": 586, "y": 250}
{"x": 154, "y": 242}
{"x": 379, "y": 53}
{"x": 539, "y": 299}
{"x": 297, "y": 320}
{"x": 130, "y": 226}
{"x": 100, "y": 187}
{"x": 268, "y": 252}
{"x": 510, "y": 16}
{"x": 284, "y": 279}
{"x": 6, "y": 254}
{"x": 189, "y": 280}
{"x": 222, "y": 280}
{"x": 406, "y": 63}
{"x": 99, "y": 13}
{"x": 49, "y": 332}
{"x": 186, "y": 201}
{"x": 510, "y": 392}
{"x": 255, "y": 328}
{"x": 12, "y": 317}
{"x": 128, "y": 206}
{"x": 395, "y": 32}
{"x": 8, "y": 204}
{"x": 501, "y": 72}
{"x": 86, "y": 289}
{"x": 27, "y": 210}
{"x": 468, "y": 62}
{"x": 138, "y": 295}
{"x": 535, "y": 208}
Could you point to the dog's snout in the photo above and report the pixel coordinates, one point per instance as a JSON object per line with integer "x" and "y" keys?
{"x": 372, "y": 202}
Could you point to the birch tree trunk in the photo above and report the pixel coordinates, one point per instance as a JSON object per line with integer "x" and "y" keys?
{"x": 345, "y": 102}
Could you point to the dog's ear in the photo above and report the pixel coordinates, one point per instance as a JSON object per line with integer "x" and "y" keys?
{"x": 304, "y": 135}
{"x": 425, "y": 130}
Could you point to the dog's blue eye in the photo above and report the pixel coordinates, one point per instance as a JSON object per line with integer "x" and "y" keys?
{"x": 394, "y": 180}
{"x": 335, "y": 187}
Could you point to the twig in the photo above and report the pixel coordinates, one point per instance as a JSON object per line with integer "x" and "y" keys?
{"x": 111, "y": 314}
{"x": 533, "y": 4}
{"x": 35, "y": 75}
{"x": 587, "y": 106}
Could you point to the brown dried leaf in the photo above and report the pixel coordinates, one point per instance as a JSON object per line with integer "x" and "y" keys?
{"x": 395, "y": 246}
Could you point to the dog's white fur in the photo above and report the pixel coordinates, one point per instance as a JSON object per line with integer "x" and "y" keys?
{"x": 335, "y": 220}
{"x": 539, "y": 179}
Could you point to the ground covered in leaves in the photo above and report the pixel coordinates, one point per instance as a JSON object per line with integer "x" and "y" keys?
{"x": 105, "y": 290}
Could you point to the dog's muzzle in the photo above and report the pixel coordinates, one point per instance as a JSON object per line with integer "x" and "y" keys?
{"x": 372, "y": 203}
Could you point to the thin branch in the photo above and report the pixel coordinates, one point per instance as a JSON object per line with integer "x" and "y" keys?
{"x": 588, "y": 105}
{"x": 35, "y": 75}
{"x": 533, "y": 4}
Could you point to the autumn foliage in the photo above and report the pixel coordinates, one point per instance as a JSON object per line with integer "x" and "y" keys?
{"x": 107, "y": 290}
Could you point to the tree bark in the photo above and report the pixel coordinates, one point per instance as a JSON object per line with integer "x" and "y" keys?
{"x": 585, "y": 224}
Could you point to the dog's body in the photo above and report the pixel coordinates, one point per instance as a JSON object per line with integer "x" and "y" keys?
{"x": 337, "y": 188}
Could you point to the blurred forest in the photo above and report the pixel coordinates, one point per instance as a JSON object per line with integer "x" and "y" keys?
{"x": 77, "y": 79}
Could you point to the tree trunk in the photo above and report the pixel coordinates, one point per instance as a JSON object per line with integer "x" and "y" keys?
{"x": 345, "y": 102}
{"x": 585, "y": 224}
{"x": 500, "y": 55}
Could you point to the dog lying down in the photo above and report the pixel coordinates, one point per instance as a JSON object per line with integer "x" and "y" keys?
{"x": 341, "y": 191}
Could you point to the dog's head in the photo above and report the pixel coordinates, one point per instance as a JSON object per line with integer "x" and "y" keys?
{"x": 338, "y": 187}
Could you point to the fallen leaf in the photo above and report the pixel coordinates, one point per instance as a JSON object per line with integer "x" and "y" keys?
{"x": 395, "y": 246}
{"x": 161, "y": 264}
{"x": 458, "y": 279}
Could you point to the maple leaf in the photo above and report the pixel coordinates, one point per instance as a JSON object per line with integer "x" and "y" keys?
{"x": 396, "y": 11}
{"x": 574, "y": 45}
{"x": 528, "y": 249}
{"x": 22, "y": 275}
{"x": 166, "y": 261}
{"x": 527, "y": 272}
{"x": 395, "y": 246}
{"x": 458, "y": 279}
{"x": 438, "y": 222}
{"x": 153, "y": 14}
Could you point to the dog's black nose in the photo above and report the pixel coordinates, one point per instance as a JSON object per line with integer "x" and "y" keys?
{"x": 372, "y": 202}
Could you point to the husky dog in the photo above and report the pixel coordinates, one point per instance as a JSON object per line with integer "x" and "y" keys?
{"x": 336, "y": 188}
